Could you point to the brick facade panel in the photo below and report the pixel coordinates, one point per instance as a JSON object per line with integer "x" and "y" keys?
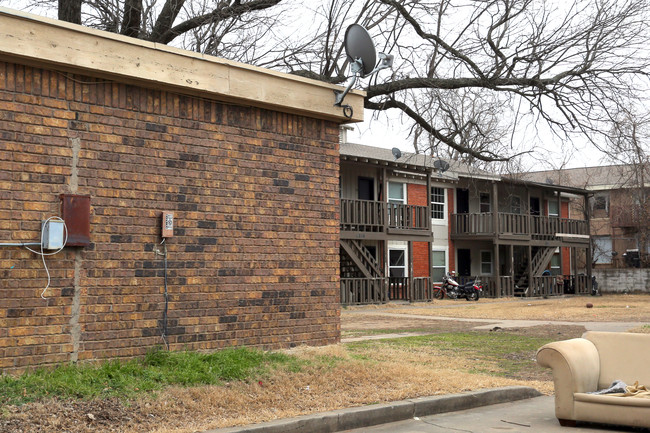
{"x": 254, "y": 257}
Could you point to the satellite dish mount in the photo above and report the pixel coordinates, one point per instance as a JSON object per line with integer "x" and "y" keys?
{"x": 361, "y": 53}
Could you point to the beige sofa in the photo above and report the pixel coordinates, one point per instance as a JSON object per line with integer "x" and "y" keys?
{"x": 592, "y": 363}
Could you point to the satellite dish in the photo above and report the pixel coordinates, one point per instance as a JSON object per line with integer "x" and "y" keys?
{"x": 396, "y": 153}
{"x": 441, "y": 165}
{"x": 360, "y": 49}
{"x": 363, "y": 60}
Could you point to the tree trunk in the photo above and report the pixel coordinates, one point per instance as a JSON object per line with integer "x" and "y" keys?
{"x": 70, "y": 11}
{"x": 132, "y": 18}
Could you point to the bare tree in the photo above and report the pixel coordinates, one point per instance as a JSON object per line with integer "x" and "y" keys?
{"x": 469, "y": 75}
{"x": 628, "y": 145}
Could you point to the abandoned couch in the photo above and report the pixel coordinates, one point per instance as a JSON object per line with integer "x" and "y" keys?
{"x": 593, "y": 363}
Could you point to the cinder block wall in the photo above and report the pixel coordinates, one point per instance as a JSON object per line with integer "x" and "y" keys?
{"x": 254, "y": 260}
{"x": 625, "y": 280}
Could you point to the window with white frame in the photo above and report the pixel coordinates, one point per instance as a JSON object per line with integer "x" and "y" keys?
{"x": 486, "y": 262}
{"x": 437, "y": 203}
{"x": 556, "y": 263}
{"x": 438, "y": 265}
{"x": 397, "y": 262}
{"x": 553, "y": 209}
{"x": 484, "y": 203}
{"x": 396, "y": 193}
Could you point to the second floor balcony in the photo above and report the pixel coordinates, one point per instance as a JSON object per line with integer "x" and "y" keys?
{"x": 519, "y": 227}
{"x": 374, "y": 219}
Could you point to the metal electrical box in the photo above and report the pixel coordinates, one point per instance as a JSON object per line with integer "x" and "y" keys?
{"x": 75, "y": 211}
{"x": 52, "y": 236}
{"x": 167, "y": 224}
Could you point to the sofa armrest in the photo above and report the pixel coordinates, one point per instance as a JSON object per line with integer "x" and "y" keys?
{"x": 576, "y": 368}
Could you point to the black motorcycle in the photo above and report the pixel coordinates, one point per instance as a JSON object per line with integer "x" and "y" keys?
{"x": 453, "y": 290}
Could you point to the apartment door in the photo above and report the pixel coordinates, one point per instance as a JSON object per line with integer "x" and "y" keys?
{"x": 366, "y": 188}
{"x": 534, "y": 206}
{"x": 464, "y": 262}
{"x": 462, "y": 200}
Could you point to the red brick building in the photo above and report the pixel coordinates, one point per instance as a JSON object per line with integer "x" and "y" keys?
{"x": 246, "y": 160}
{"x": 405, "y": 222}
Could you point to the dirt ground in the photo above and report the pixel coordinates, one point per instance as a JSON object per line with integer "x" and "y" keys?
{"x": 609, "y": 308}
{"x": 346, "y": 381}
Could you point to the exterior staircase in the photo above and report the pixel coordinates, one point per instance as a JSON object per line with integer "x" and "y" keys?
{"x": 358, "y": 255}
{"x": 541, "y": 258}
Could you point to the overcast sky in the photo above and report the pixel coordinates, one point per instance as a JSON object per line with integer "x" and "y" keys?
{"x": 388, "y": 130}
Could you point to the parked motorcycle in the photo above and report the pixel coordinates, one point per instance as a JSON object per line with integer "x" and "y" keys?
{"x": 453, "y": 290}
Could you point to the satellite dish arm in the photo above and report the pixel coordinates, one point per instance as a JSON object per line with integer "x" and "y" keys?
{"x": 356, "y": 66}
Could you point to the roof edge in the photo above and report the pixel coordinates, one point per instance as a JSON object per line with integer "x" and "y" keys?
{"x": 43, "y": 42}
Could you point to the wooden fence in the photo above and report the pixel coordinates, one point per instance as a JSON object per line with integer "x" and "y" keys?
{"x": 381, "y": 290}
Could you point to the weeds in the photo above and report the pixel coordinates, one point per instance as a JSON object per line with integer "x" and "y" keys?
{"x": 126, "y": 379}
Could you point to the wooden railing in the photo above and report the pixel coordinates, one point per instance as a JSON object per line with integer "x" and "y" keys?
{"x": 363, "y": 291}
{"x": 376, "y": 216}
{"x": 422, "y": 290}
{"x": 362, "y": 215}
{"x": 555, "y": 285}
{"x": 507, "y": 286}
{"x": 511, "y": 223}
{"x": 516, "y": 224}
{"x": 382, "y": 290}
{"x": 409, "y": 289}
{"x": 472, "y": 223}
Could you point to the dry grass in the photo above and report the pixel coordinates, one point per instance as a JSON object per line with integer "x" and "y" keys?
{"x": 336, "y": 377}
{"x": 608, "y": 308}
{"x": 342, "y": 376}
{"x": 392, "y": 375}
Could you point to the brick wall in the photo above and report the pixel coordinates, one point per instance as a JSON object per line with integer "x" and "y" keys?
{"x": 254, "y": 260}
{"x": 417, "y": 195}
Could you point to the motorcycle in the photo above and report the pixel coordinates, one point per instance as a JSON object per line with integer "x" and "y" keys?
{"x": 453, "y": 290}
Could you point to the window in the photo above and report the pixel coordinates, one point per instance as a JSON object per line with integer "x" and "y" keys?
{"x": 484, "y": 203}
{"x": 486, "y": 262}
{"x": 556, "y": 263}
{"x": 600, "y": 206}
{"x": 397, "y": 262}
{"x": 515, "y": 204}
{"x": 602, "y": 249}
{"x": 396, "y": 193}
{"x": 439, "y": 265}
{"x": 601, "y": 202}
{"x": 437, "y": 203}
{"x": 553, "y": 208}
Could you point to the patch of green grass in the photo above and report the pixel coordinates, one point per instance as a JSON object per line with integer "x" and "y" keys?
{"x": 358, "y": 332}
{"x": 511, "y": 353}
{"x": 125, "y": 379}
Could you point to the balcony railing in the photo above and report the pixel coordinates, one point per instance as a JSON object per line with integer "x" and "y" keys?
{"x": 629, "y": 216}
{"x": 376, "y": 216}
{"x": 539, "y": 227}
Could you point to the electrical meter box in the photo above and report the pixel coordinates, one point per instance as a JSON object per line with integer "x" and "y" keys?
{"x": 52, "y": 236}
{"x": 167, "y": 224}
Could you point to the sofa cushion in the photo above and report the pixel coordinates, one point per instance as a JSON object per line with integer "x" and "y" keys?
{"x": 623, "y": 356}
{"x": 612, "y": 400}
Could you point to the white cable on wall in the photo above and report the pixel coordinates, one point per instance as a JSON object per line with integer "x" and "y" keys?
{"x": 43, "y": 254}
